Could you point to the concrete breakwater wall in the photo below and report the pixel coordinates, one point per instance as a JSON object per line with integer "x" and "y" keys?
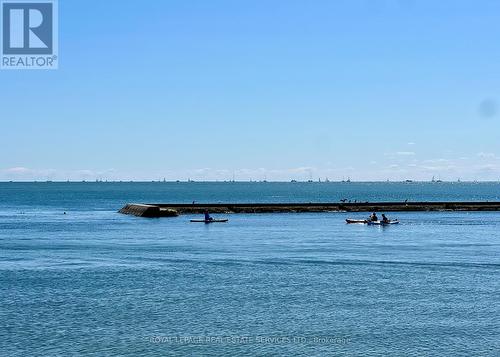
{"x": 148, "y": 211}
{"x": 172, "y": 210}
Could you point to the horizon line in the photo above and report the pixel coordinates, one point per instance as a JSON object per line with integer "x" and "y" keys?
{"x": 249, "y": 181}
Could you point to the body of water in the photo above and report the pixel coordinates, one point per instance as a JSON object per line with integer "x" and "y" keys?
{"x": 95, "y": 282}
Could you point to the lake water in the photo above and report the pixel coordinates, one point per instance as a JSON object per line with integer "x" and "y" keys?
{"x": 95, "y": 282}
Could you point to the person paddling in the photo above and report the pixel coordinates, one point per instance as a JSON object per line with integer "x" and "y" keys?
{"x": 385, "y": 219}
{"x": 207, "y": 216}
{"x": 374, "y": 217}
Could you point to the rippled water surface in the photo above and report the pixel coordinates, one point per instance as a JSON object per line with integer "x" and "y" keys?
{"x": 95, "y": 282}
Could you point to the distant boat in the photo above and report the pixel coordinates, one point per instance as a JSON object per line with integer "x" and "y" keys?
{"x": 209, "y": 221}
{"x": 370, "y": 223}
{"x": 409, "y": 181}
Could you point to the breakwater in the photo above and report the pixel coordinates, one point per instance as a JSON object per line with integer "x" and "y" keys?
{"x": 156, "y": 210}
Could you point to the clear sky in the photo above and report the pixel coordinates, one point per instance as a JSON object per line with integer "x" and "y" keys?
{"x": 367, "y": 89}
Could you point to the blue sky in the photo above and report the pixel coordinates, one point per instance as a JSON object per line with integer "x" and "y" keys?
{"x": 281, "y": 90}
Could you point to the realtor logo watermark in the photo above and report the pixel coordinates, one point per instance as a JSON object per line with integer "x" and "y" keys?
{"x": 29, "y": 34}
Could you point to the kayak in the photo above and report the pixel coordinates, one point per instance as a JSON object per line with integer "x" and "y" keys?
{"x": 381, "y": 223}
{"x": 371, "y": 223}
{"x": 356, "y": 221}
{"x": 209, "y": 221}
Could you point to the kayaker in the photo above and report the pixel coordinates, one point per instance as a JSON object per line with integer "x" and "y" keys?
{"x": 374, "y": 217}
{"x": 385, "y": 219}
{"x": 207, "y": 216}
